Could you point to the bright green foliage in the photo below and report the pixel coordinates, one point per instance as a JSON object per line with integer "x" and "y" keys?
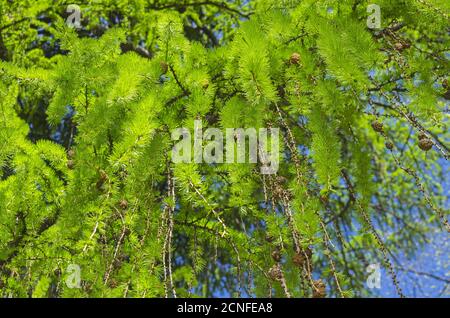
{"x": 86, "y": 115}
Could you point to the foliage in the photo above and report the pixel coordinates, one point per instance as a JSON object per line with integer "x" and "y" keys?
{"x": 86, "y": 176}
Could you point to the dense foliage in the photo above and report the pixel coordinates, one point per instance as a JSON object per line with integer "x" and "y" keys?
{"x": 86, "y": 116}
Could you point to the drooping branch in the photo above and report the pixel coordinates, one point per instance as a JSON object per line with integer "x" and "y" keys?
{"x": 220, "y": 5}
{"x": 376, "y": 236}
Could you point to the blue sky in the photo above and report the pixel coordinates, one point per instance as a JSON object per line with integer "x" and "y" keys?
{"x": 417, "y": 281}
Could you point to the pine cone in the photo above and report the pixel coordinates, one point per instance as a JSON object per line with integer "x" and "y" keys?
{"x": 294, "y": 59}
{"x": 324, "y": 199}
{"x": 70, "y": 153}
{"x": 447, "y": 94}
{"x": 398, "y": 46}
{"x": 276, "y": 255}
{"x": 123, "y": 204}
{"x": 319, "y": 289}
{"x": 103, "y": 175}
{"x": 70, "y": 164}
{"x": 113, "y": 283}
{"x": 298, "y": 260}
{"x": 281, "y": 179}
{"x": 425, "y": 144}
{"x": 164, "y": 67}
{"x": 101, "y": 180}
{"x": 275, "y": 273}
{"x": 377, "y": 126}
{"x": 389, "y": 145}
{"x": 308, "y": 253}
{"x": 205, "y": 84}
{"x": 422, "y": 136}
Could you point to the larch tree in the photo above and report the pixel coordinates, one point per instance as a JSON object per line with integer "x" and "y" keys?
{"x": 88, "y": 186}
